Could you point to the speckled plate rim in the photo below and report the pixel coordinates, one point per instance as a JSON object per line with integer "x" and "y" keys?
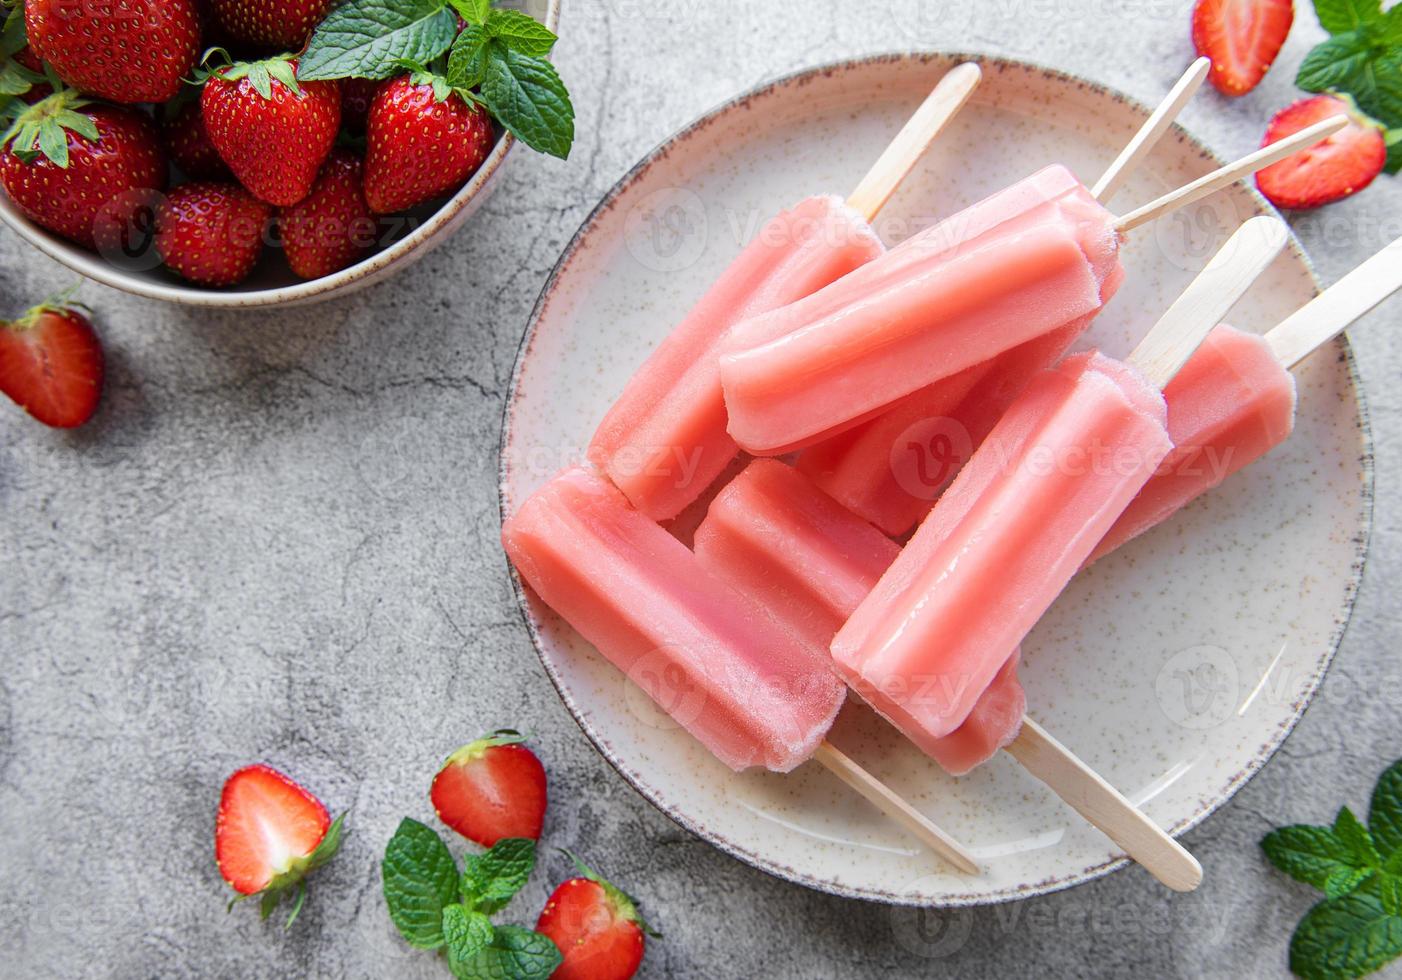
{"x": 777, "y": 869}
{"x": 434, "y": 230}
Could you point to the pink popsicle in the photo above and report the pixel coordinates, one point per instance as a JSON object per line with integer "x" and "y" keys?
{"x": 976, "y": 285}
{"x": 810, "y": 562}
{"x": 664, "y": 440}
{"x": 1046, "y": 485}
{"x": 750, "y": 691}
{"x": 1229, "y": 405}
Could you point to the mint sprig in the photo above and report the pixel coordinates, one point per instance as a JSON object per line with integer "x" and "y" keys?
{"x": 368, "y": 38}
{"x": 498, "y": 60}
{"x": 435, "y": 907}
{"x": 1358, "y": 927}
{"x": 1362, "y": 59}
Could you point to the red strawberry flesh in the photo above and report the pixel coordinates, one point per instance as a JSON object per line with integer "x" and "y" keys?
{"x": 1334, "y": 168}
{"x": 490, "y": 792}
{"x": 51, "y": 365}
{"x": 265, "y": 822}
{"x": 1242, "y": 37}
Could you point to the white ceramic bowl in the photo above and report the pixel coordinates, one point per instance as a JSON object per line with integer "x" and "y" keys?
{"x": 1176, "y": 666}
{"x": 272, "y": 283}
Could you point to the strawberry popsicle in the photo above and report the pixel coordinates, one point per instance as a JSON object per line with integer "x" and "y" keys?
{"x": 750, "y": 691}
{"x": 1022, "y": 516}
{"x": 664, "y": 440}
{"x": 1231, "y": 403}
{"x": 809, "y": 561}
{"x": 1004, "y": 272}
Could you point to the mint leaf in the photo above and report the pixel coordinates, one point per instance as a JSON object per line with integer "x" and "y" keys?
{"x": 1317, "y": 856}
{"x": 465, "y": 933}
{"x": 420, "y": 879}
{"x": 1385, "y": 809}
{"x": 1393, "y": 138}
{"x": 513, "y": 954}
{"x": 472, "y": 11}
{"x": 491, "y": 880}
{"x": 365, "y": 38}
{"x": 1388, "y": 888}
{"x": 1339, "y": 16}
{"x": 1345, "y": 937}
{"x": 467, "y": 64}
{"x": 1337, "y": 64}
{"x": 526, "y": 96}
{"x": 520, "y": 32}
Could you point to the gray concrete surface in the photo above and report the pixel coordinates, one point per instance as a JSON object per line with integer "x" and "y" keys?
{"x": 279, "y": 541}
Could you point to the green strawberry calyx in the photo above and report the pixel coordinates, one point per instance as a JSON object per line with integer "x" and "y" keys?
{"x": 60, "y": 304}
{"x": 625, "y": 906}
{"x": 42, "y": 129}
{"x": 217, "y": 63}
{"x": 442, "y": 87}
{"x": 294, "y": 876}
{"x": 475, "y": 750}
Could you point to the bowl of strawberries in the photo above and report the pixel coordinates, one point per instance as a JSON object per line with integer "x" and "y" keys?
{"x": 243, "y": 153}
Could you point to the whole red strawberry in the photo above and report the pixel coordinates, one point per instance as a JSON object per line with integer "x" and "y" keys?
{"x": 106, "y": 163}
{"x": 270, "y": 834}
{"x": 331, "y": 227}
{"x": 596, "y": 926}
{"x": 421, "y": 146}
{"x": 491, "y": 789}
{"x": 211, "y": 233}
{"x": 1242, "y": 37}
{"x": 284, "y": 24}
{"x": 1334, "y": 168}
{"x": 273, "y": 132}
{"x": 26, "y": 57}
{"x": 188, "y": 144}
{"x": 51, "y": 364}
{"x": 122, "y": 50}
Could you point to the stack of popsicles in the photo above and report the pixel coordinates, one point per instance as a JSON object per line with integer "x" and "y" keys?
{"x": 818, "y": 340}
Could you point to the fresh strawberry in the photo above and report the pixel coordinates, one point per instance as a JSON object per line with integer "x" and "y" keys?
{"x": 424, "y": 141}
{"x": 356, "y": 96}
{"x": 273, "y": 132}
{"x": 1242, "y": 37}
{"x": 187, "y": 142}
{"x": 26, "y": 57}
{"x": 331, "y": 227}
{"x": 270, "y": 833}
{"x": 87, "y": 172}
{"x": 271, "y": 23}
{"x": 211, "y": 233}
{"x": 122, "y": 50}
{"x": 1337, "y": 167}
{"x": 490, "y": 789}
{"x": 596, "y": 926}
{"x": 51, "y": 364}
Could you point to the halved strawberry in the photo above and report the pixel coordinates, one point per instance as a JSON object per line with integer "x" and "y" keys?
{"x": 490, "y": 789}
{"x": 51, "y": 363}
{"x": 1242, "y": 37}
{"x": 596, "y": 926}
{"x": 1337, "y": 167}
{"x": 270, "y": 834}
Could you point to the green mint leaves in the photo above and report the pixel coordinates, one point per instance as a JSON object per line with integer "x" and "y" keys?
{"x": 1362, "y": 60}
{"x": 367, "y": 38}
{"x": 498, "y": 60}
{"x": 435, "y": 907}
{"x": 1358, "y": 927}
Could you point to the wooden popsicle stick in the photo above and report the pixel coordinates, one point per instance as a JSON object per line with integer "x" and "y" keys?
{"x": 842, "y": 766}
{"x": 1326, "y": 316}
{"x": 1232, "y": 172}
{"x": 1149, "y": 134}
{"x": 939, "y": 107}
{"x": 1105, "y": 807}
{"x": 1208, "y": 297}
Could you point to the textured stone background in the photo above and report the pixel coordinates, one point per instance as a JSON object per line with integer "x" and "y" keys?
{"x": 279, "y": 541}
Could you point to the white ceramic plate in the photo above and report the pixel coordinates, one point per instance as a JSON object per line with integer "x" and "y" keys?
{"x": 1176, "y": 667}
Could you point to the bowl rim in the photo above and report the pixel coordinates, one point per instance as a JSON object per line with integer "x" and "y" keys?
{"x": 418, "y": 242}
{"x": 1263, "y": 754}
